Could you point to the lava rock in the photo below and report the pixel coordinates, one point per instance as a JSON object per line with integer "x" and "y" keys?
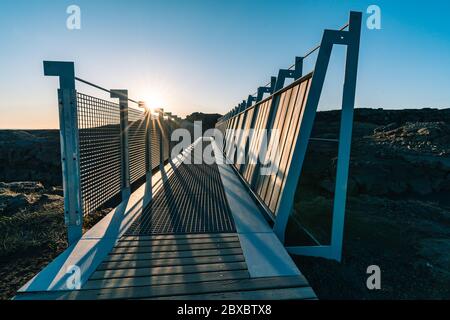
{"x": 12, "y": 203}
{"x": 25, "y": 186}
{"x": 51, "y": 197}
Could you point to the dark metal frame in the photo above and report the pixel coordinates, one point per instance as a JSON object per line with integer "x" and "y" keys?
{"x": 350, "y": 39}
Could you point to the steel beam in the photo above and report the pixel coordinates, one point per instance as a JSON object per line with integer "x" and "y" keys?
{"x": 351, "y": 39}
{"x": 345, "y": 135}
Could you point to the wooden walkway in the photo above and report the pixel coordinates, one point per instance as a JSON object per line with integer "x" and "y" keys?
{"x": 197, "y": 267}
{"x": 248, "y": 263}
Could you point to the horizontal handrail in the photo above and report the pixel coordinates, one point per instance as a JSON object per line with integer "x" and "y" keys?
{"x": 310, "y": 52}
{"x": 287, "y": 87}
{"x": 103, "y": 89}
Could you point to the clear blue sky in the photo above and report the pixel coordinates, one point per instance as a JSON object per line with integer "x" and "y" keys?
{"x": 206, "y": 55}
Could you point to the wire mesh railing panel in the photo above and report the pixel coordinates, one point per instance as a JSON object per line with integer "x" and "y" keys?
{"x": 100, "y": 151}
{"x": 155, "y": 143}
{"x": 165, "y": 136}
{"x": 136, "y": 143}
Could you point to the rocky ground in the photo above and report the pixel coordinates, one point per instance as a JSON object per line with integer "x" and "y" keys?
{"x": 398, "y": 209}
{"x": 30, "y": 155}
{"x": 32, "y": 231}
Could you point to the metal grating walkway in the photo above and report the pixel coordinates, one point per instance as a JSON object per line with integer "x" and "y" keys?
{"x": 191, "y": 201}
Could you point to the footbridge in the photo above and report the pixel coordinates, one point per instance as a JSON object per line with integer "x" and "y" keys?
{"x": 182, "y": 227}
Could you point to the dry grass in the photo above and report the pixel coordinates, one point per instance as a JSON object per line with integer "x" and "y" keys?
{"x": 31, "y": 238}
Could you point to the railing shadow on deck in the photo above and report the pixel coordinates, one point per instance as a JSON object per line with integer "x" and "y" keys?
{"x": 168, "y": 192}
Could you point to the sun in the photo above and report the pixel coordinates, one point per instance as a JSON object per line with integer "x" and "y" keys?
{"x": 154, "y": 101}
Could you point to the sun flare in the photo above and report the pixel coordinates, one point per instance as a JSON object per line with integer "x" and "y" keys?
{"x": 154, "y": 102}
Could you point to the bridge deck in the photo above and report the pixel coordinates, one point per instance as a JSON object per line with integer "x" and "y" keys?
{"x": 201, "y": 237}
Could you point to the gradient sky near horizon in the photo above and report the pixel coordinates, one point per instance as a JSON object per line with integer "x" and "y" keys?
{"x": 208, "y": 55}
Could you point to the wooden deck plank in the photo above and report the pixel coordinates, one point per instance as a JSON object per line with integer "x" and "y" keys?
{"x": 143, "y": 272}
{"x": 173, "y": 289}
{"x": 158, "y": 243}
{"x": 176, "y": 254}
{"x": 171, "y": 248}
{"x": 192, "y": 278}
{"x": 303, "y": 293}
{"x": 170, "y": 262}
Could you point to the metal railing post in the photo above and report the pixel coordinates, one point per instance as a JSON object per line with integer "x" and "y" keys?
{"x": 262, "y": 90}
{"x": 148, "y": 150}
{"x": 122, "y": 95}
{"x": 345, "y": 135}
{"x": 298, "y": 69}
{"x": 160, "y": 120}
{"x": 70, "y": 151}
{"x": 169, "y": 132}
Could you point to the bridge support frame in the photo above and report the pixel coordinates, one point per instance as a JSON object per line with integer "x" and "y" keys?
{"x": 351, "y": 39}
{"x": 70, "y": 160}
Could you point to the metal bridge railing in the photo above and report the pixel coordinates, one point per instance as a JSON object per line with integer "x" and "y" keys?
{"x": 108, "y": 149}
{"x": 99, "y": 151}
{"x": 281, "y": 126}
{"x": 137, "y": 140}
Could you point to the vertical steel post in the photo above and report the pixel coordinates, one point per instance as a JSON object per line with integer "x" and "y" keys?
{"x": 298, "y": 71}
{"x": 169, "y": 132}
{"x": 345, "y": 135}
{"x": 262, "y": 90}
{"x": 250, "y": 100}
{"x": 148, "y": 150}
{"x": 306, "y": 123}
{"x": 160, "y": 133}
{"x": 122, "y": 95}
{"x": 70, "y": 151}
